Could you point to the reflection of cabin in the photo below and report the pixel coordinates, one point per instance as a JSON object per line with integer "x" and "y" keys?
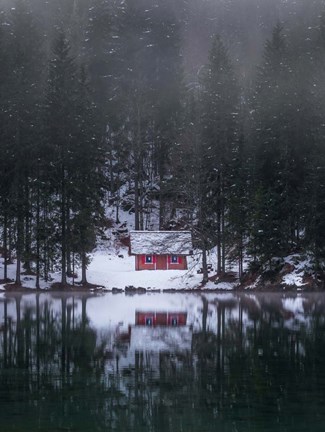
{"x": 157, "y": 330}
{"x": 160, "y": 332}
{"x": 161, "y": 250}
{"x": 150, "y": 318}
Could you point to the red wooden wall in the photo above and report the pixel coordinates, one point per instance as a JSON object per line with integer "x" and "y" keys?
{"x": 160, "y": 262}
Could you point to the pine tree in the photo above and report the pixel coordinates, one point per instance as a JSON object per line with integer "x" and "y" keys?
{"x": 314, "y": 190}
{"x": 283, "y": 140}
{"x": 166, "y": 76}
{"x": 87, "y": 177}
{"x": 132, "y": 79}
{"x": 100, "y": 55}
{"x": 270, "y": 121}
{"x": 220, "y": 97}
{"x": 24, "y": 84}
{"x": 62, "y": 130}
{"x": 238, "y": 203}
{"x": 188, "y": 170}
{"x": 6, "y": 162}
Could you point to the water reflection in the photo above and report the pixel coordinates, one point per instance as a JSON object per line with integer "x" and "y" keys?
{"x": 162, "y": 362}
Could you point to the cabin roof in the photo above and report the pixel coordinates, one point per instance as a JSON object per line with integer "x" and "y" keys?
{"x": 161, "y": 242}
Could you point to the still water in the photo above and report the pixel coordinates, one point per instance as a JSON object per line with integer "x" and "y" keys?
{"x": 162, "y": 362}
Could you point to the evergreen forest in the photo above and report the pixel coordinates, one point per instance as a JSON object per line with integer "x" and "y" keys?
{"x": 207, "y": 115}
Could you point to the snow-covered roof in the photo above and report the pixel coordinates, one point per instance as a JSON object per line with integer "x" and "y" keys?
{"x": 161, "y": 242}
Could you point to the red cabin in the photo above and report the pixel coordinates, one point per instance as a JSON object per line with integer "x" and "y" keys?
{"x": 161, "y": 250}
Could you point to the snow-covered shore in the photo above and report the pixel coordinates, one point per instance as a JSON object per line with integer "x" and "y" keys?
{"x": 116, "y": 270}
{"x": 112, "y": 270}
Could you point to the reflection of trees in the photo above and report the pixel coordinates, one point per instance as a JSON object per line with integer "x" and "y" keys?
{"x": 256, "y": 359}
{"x": 50, "y": 349}
{"x": 252, "y": 367}
{"x": 266, "y": 357}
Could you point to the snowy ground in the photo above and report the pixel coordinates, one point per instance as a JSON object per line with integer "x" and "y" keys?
{"x": 112, "y": 267}
{"x": 116, "y": 269}
{"x": 113, "y": 271}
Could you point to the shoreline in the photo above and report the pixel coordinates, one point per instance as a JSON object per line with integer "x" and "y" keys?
{"x": 131, "y": 290}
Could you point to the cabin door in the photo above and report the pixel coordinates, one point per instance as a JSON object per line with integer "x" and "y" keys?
{"x": 161, "y": 262}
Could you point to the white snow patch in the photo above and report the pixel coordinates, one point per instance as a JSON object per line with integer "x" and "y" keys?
{"x": 296, "y": 276}
{"x": 111, "y": 271}
{"x": 293, "y": 279}
{"x": 227, "y": 286}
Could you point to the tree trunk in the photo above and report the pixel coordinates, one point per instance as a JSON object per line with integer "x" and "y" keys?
{"x": 46, "y": 248}
{"x": 136, "y": 203}
{"x": 68, "y": 238}
{"x": 27, "y": 254}
{"x": 223, "y": 239}
{"x": 84, "y": 268}
{"x": 5, "y": 245}
{"x": 63, "y": 230}
{"x": 9, "y": 256}
{"x": 161, "y": 206}
{"x": 162, "y": 189}
{"x": 219, "y": 250}
{"x": 20, "y": 230}
{"x": 18, "y": 271}
{"x": 117, "y": 202}
{"x": 37, "y": 283}
{"x": 141, "y": 224}
{"x": 240, "y": 258}
{"x": 138, "y": 157}
{"x": 204, "y": 265}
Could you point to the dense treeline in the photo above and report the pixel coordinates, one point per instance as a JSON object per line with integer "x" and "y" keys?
{"x": 99, "y": 108}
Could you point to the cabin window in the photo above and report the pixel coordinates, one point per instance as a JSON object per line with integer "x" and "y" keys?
{"x": 149, "y": 259}
{"x": 174, "y": 259}
{"x": 149, "y": 321}
{"x": 174, "y": 321}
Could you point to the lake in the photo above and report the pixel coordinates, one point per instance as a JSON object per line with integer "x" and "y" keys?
{"x": 162, "y": 362}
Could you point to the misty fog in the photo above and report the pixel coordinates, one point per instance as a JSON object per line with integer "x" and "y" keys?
{"x": 244, "y": 25}
{"x": 205, "y": 115}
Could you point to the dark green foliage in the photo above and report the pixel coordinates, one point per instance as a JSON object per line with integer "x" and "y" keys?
{"x": 282, "y": 140}
{"x": 21, "y": 95}
{"x": 97, "y": 111}
{"x": 77, "y": 160}
{"x": 219, "y": 105}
